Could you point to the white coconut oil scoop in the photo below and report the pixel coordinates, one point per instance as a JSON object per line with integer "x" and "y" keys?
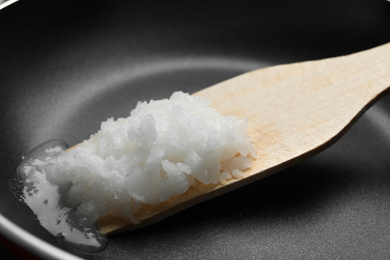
{"x": 294, "y": 112}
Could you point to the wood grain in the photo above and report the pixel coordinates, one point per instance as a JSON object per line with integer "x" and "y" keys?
{"x": 294, "y": 112}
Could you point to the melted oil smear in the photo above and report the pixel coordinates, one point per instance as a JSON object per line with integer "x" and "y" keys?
{"x": 45, "y": 200}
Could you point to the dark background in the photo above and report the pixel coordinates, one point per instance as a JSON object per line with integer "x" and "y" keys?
{"x": 65, "y": 66}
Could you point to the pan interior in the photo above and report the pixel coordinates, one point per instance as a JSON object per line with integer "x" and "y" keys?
{"x": 66, "y": 68}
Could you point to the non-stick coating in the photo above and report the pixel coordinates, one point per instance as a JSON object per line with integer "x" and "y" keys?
{"x": 65, "y": 66}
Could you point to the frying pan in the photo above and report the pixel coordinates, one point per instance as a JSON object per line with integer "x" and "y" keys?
{"x": 66, "y": 66}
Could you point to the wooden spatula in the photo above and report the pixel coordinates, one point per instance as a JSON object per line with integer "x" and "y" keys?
{"x": 294, "y": 112}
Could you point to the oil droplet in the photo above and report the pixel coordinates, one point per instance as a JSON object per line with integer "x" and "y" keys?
{"x": 45, "y": 200}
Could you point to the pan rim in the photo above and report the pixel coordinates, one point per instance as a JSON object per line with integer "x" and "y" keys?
{"x": 7, "y": 3}
{"x": 32, "y": 243}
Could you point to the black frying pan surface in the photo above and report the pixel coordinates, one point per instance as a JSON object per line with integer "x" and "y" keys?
{"x": 65, "y": 66}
